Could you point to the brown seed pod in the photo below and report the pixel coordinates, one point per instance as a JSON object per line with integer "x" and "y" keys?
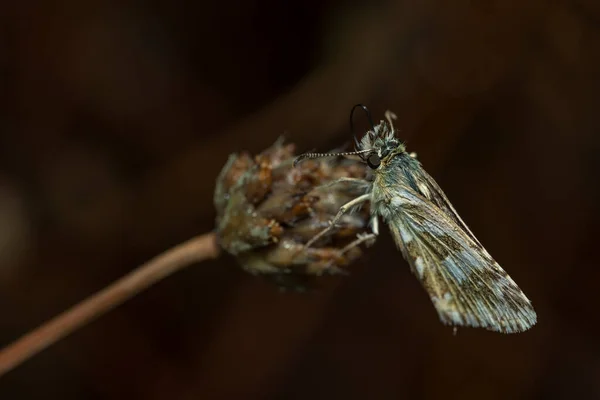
{"x": 267, "y": 210}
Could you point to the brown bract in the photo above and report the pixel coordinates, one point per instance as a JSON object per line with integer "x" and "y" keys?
{"x": 267, "y": 210}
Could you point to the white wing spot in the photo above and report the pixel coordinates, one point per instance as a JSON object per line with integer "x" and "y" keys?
{"x": 406, "y": 236}
{"x": 420, "y": 267}
{"x": 397, "y": 202}
{"x": 444, "y": 303}
{"x": 455, "y": 316}
{"x": 454, "y": 270}
{"x": 446, "y": 311}
{"x": 425, "y": 190}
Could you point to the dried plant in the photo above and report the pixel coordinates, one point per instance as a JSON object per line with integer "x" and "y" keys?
{"x": 267, "y": 211}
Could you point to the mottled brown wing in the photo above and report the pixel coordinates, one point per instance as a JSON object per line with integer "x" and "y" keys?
{"x": 467, "y": 287}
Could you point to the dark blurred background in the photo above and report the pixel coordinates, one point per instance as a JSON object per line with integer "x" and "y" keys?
{"x": 116, "y": 117}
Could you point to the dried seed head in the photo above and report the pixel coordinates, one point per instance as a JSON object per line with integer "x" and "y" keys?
{"x": 267, "y": 210}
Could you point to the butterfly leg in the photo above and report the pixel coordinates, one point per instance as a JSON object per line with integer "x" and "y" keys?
{"x": 364, "y": 237}
{"x": 343, "y": 209}
{"x": 347, "y": 253}
{"x": 355, "y": 181}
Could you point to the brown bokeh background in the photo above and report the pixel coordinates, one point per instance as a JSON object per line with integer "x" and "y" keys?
{"x": 117, "y": 116}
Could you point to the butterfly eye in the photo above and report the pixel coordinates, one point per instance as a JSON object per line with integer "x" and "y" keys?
{"x": 373, "y": 161}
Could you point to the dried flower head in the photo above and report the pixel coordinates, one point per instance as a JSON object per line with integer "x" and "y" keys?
{"x": 267, "y": 211}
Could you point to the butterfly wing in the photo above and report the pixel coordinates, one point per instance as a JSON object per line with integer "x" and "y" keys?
{"x": 467, "y": 287}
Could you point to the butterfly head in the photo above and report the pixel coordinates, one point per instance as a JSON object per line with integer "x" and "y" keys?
{"x": 377, "y": 147}
{"x": 380, "y": 144}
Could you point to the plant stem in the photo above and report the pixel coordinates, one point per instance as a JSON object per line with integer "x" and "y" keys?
{"x": 194, "y": 250}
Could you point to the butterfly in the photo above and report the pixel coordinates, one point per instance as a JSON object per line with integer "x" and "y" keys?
{"x": 466, "y": 285}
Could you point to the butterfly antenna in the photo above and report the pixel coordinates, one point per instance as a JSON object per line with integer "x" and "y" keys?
{"x": 356, "y": 143}
{"x": 307, "y": 156}
{"x": 366, "y": 110}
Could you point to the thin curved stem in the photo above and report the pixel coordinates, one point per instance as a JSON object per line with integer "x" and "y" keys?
{"x": 194, "y": 250}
